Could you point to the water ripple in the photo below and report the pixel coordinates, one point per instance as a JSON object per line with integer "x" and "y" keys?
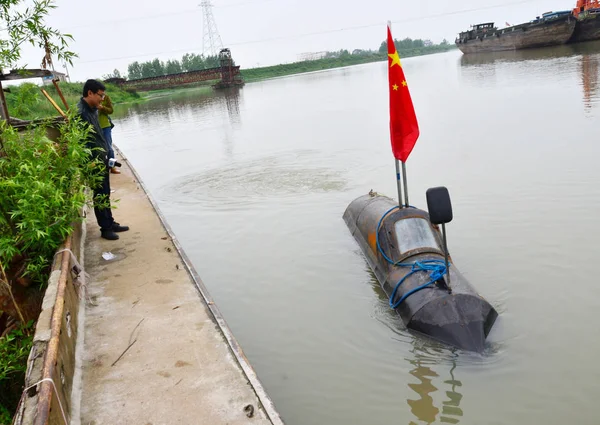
{"x": 239, "y": 184}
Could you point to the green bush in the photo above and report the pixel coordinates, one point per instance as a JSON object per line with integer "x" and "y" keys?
{"x": 42, "y": 190}
{"x": 42, "y": 186}
{"x": 24, "y": 100}
{"x": 14, "y": 351}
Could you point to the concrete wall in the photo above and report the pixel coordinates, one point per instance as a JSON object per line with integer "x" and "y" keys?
{"x": 63, "y": 366}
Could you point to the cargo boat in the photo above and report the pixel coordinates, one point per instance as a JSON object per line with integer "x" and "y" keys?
{"x": 552, "y": 28}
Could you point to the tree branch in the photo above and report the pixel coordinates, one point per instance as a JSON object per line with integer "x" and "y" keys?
{"x": 8, "y": 287}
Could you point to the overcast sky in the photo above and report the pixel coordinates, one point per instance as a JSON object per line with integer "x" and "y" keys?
{"x": 111, "y": 34}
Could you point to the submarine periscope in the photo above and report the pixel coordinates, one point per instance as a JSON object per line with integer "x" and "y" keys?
{"x": 408, "y": 254}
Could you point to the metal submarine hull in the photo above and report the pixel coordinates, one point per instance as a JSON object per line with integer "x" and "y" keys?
{"x": 458, "y": 317}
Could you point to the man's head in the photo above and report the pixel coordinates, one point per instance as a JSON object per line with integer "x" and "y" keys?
{"x": 93, "y": 92}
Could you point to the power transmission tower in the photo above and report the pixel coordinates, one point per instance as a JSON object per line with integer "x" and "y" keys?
{"x": 211, "y": 40}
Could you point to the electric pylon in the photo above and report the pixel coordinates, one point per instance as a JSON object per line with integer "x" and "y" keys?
{"x": 211, "y": 40}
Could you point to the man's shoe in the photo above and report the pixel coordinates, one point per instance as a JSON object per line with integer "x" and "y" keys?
{"x": 113, "y": 170}
{"x": 109, "y": 234}
{"x": 116, "y": 227}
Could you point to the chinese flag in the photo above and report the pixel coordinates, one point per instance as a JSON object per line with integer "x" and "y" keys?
{"x": 404, "y": 129}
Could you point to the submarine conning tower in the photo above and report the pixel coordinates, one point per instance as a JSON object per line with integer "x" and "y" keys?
{"x": 407, "y": 253}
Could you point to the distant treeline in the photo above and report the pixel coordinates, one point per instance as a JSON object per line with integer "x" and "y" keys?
{"x": 406, "y": 48}
{"x": 156, "y": 67}
{"x": 408, "y": 44}
{"x": 193, "y": 62}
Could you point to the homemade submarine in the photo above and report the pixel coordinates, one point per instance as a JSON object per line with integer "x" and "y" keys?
{"x": 408, "y": 254}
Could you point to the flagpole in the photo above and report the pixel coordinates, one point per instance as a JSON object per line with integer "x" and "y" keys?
{"x": 399, "y": 183}
{"x": 398, "y": 179}
{"x": 405, "y": 184}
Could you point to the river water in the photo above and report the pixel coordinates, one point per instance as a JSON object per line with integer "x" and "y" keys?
{"x": 254, "y": 183}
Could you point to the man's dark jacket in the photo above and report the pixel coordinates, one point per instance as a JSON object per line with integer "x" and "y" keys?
{"x": 95, "y": 138}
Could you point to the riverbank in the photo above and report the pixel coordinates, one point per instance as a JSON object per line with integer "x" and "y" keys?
{"x": 264, "y": 73}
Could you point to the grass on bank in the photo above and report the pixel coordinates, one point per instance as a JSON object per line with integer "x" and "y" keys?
{"x": 26, "y": 101}
{"x": 256, "y": 74}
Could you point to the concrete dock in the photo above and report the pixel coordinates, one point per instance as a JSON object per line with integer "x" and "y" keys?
{"x": 156, "y": 350}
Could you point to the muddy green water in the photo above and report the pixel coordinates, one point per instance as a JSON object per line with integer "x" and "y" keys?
{"x": 255, "y": 182}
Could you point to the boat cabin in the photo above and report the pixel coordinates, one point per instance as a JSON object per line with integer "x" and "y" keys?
{"x": 476, "y": 31}
{"x": 484, "y": 27}
{"x": 549, "y": 16}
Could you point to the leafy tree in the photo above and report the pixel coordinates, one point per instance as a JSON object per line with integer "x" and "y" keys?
{"x": 147, "y": 70}
{"x": 154, "y": 68}
{"x": 134, "y": 71}
{"x": 189, "y": 62}
{"x": 212, "y": 62}
{"x": 158, "y": 68}
{"x": 192, "y": 62}
{"x": 186, "y": 62}
{"x": 29, "y": 26}
{"x": 173, "y": 67}
{"x": 115, "y": 74}
{"x": 413, "y": 46}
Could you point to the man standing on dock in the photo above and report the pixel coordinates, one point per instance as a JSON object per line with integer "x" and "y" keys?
{"x": 93, "y": 94}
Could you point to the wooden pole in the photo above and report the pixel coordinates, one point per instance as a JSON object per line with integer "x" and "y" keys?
{"x": 60, "y": 93}
{"x": 50, "y": 359}
{"x": 60, "y": 111}
{"x": 4, "y": 109}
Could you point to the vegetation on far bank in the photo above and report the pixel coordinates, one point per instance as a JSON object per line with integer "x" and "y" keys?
{"x": 406, "y": 48}
{"x": 192, "y": 62}
{"x": 156, "y": 67}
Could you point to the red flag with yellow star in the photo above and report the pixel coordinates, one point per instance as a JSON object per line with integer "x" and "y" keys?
{"x": 404, "y": 129}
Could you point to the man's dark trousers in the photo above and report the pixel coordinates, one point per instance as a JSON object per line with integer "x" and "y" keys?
{"x": 104, "y": 215}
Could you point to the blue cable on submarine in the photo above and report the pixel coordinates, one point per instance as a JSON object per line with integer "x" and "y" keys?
{"x": 437, "y": 268}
